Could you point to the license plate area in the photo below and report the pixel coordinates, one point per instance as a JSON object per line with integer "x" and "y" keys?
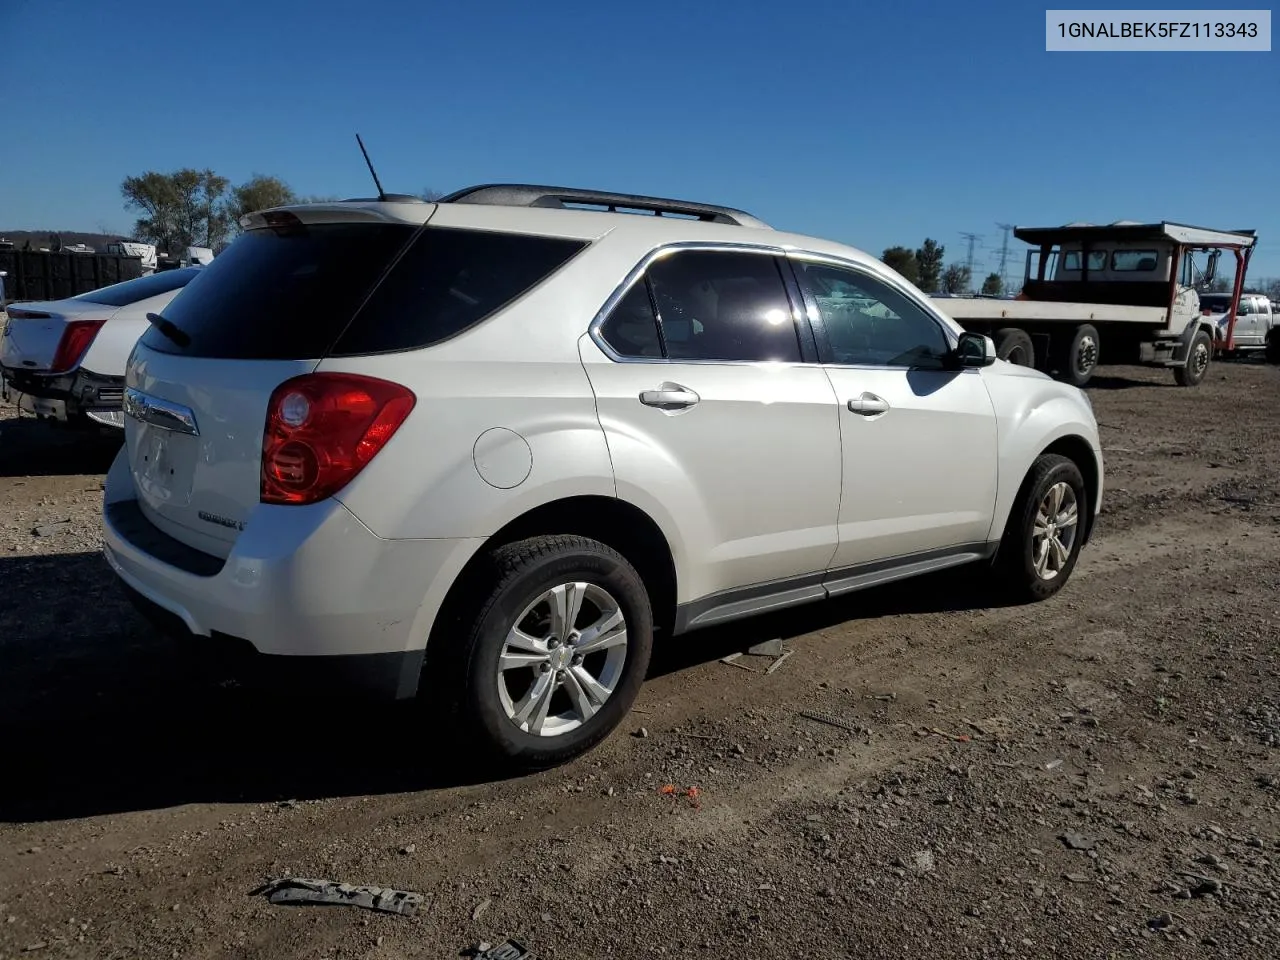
{"x": 164, "y": 466}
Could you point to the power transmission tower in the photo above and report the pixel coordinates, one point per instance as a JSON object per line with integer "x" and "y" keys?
{"x": 1004, "y": 256}
{"x": 973, "y": 238}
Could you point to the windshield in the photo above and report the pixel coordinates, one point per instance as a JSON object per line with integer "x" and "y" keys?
{"x": 1217, "y": 302}
{"x": 131, "y": 291}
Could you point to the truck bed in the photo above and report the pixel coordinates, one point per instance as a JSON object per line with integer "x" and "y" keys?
{"x": 962, "y": 309}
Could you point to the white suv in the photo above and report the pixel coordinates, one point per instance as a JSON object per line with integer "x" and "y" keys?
{"x": 488, "y": 446}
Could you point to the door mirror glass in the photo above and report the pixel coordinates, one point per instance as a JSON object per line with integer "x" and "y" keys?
{"x": 975, "y": 350}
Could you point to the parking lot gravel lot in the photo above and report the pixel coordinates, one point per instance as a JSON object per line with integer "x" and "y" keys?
{"x": 926, "y": 774}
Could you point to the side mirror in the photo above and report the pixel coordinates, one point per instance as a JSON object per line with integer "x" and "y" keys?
{"x": 974, "y": 350}
{"x": 1211, "y": 268}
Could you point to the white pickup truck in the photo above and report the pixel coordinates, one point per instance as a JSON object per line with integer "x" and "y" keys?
{"x": 1121, "y": 293}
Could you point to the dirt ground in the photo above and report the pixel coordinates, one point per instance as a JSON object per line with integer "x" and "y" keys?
{"x": 1095, "y": 776}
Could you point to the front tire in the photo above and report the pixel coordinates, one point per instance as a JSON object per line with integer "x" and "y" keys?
{"x": 1045, "y": 530}
{"x": 1196, "y": 366}
{"x": 554, "y": 647}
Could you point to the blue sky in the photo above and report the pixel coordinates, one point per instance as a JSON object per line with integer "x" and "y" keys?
{"x": 873, "y": 124}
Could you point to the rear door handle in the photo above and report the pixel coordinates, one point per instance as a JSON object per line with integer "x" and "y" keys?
{"x": 869, "y": 405}
{"x": 669, "y": 396}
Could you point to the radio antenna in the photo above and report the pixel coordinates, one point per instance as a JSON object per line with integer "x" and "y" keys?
{"x": 382, "y": 195}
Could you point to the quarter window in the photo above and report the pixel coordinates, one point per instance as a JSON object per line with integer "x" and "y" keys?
{"x": 868, "y": 322}
{"x": 632, "y": 327}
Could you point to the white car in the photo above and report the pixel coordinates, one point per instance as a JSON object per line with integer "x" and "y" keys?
{"x": 486, "y": 447}
{"x": 64, "y": 360}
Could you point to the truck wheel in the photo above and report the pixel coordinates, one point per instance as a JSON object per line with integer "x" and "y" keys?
{"x": 1273, "y": 346}
{"x": 551, "y": 647}
{"x": 1045, "y": 530}
{"x": 1078, "y": 361}
{"x": 1015, "y": 346}
{"x": 1193, "y": 369}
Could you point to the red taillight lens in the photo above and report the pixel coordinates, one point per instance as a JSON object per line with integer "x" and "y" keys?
{"x": 75, "y": 341}
{"x": 322, "y": 428}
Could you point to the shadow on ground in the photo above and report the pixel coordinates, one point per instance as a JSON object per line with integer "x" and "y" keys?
{"x": 35, "y": 448}
{"x": 101, "y": 715}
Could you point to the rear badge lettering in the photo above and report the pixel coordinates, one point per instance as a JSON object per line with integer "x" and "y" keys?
{"x": 221, "y": 521}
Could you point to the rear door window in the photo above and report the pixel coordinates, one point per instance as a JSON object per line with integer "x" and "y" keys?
{"x": 721, "y": 305}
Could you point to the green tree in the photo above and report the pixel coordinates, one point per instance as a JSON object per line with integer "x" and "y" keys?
{"x": 993, "y": 286}
{"x": 180, "y": 209}
{"x": 929, "y": 265}
{"x": 259, "y": 192}
{"x": 902, "y": 260}
{"x": 956, "y": 279}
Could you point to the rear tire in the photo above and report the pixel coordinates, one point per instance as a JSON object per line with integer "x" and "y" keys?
{"x": 1272, "y": 353}
{"x": 1196, "y": 365}
{"x": 1014, "y": 345}
{"x": 509, "y": 676}
{"x": 1045, "y": 530}
{"x": 1077, "y": 362}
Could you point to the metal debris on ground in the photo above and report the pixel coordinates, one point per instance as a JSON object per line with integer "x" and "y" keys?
{"x": 777, "y": 663}
{"x": 49, "y": 529}
{"x": 507, "y": 950}
{"x": 770, "y": 648}
{"x": 830, "y": 720}
{"x": 732, "y": 660}
{"x": 481, "y": 907}
{"x": 302, "y": 891}
{"x": 954, "y": 737}
{"x": 882, "y": 697}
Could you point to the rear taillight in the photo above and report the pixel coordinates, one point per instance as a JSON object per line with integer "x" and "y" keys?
{"x": 322, "y": 428}
{"x": 76, "y": 338}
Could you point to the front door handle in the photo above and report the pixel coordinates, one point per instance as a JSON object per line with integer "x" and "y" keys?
{"x": 869, "y": 405}
{"x": 669, "y": 396}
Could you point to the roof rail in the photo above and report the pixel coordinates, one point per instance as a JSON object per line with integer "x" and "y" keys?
{"x": 530, "y": 195}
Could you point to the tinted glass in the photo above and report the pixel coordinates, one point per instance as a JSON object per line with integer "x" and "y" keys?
{"x": 1218, "y": 303}
{"x": 1097, "y": 260}
{"x": 1134, "y": 260}
{"x": 449, "y": 280}
{"x": 869, "y": 322}
{"x": 632, "y": 327}
{"x": 723, "y": 306}
{"x": 142, "y": 288}
{"x": 280, "y": 294}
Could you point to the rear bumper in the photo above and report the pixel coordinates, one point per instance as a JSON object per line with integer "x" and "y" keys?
{"x": 65, "y": 397}
{"x": 375, "y": 676}
{"x": 306, "y": 593}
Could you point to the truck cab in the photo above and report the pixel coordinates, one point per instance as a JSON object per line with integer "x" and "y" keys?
{"x": 1123, "y": 292}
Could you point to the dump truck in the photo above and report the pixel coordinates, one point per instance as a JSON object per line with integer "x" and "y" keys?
{"x": 1123, "y": 292}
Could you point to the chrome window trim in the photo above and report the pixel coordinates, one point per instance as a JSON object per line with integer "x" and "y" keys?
{"x": 665, "y": 250}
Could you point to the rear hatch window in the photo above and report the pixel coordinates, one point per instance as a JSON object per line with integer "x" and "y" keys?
{"x": 321, "y": 290}
{"x": 280, "y": 294}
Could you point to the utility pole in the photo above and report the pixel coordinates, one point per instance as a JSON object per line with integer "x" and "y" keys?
{"x": 972, "y": 238}
{"x": 1004, "y": 256}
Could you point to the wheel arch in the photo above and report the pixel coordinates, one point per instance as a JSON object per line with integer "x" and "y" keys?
{"x": 1077, "y": 449}
{"x": 610, "y": 520}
